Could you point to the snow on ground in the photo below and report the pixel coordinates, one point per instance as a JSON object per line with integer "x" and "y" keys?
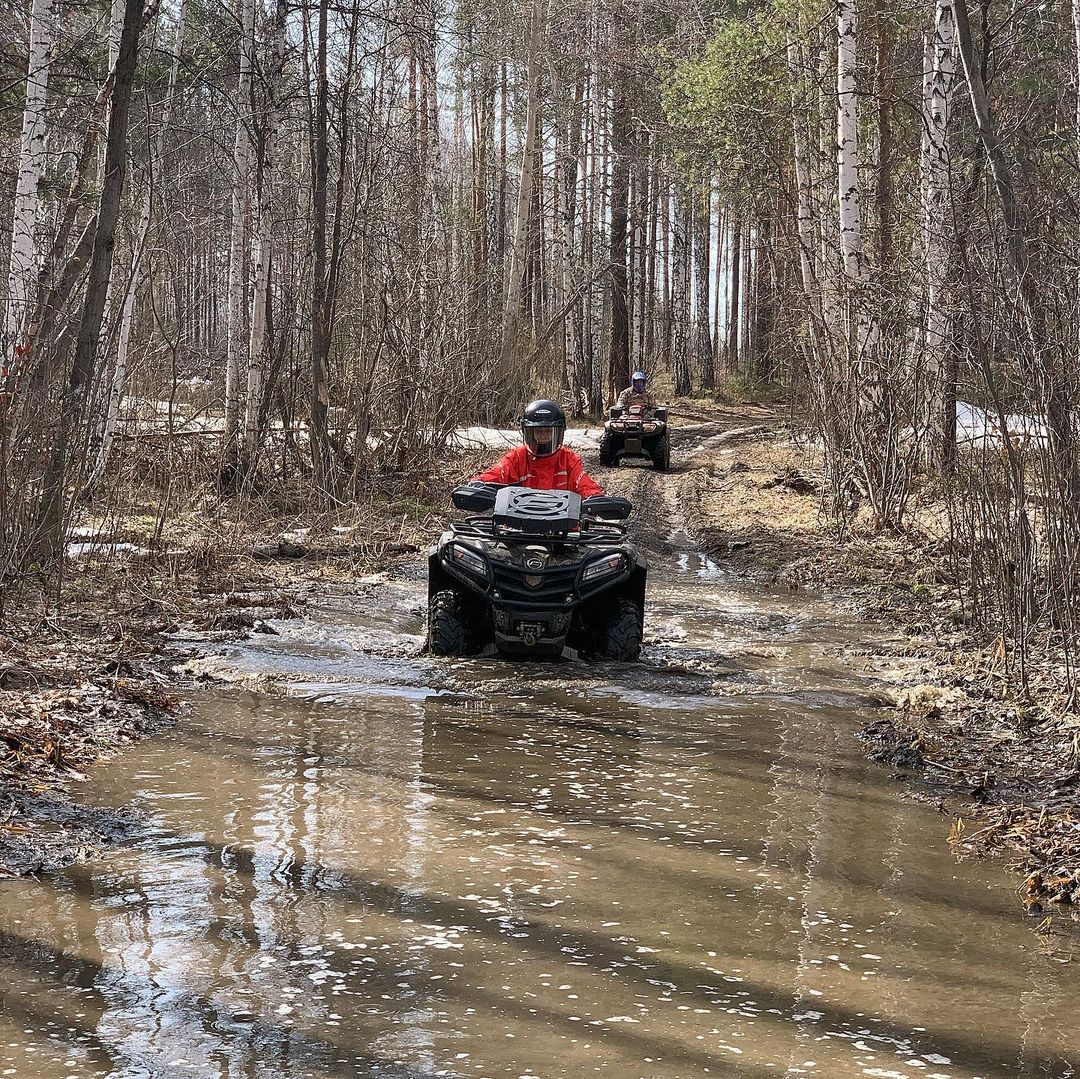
{"x": 975, "y": 426}
{"x": 504, "y": 438}
{"x": 147, "y": 416}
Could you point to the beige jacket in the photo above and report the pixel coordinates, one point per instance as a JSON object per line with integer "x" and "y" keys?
{"x": 628, "y": 398}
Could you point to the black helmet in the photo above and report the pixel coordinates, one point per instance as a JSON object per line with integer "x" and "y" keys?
{"x": 542, "y": 427}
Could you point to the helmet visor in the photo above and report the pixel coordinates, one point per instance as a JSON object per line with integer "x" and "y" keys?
{"x": 543, "y": 441}
{"x": 638, "y": 384}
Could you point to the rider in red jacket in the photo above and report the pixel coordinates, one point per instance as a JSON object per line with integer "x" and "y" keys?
{"x": 542, "y": 462}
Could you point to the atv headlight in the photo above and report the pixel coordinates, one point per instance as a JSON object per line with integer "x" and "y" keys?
{"x": 468, "y": 560}
{"x": 602, "y": 567}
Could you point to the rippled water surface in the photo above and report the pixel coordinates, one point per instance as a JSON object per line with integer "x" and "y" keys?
{"x": 406, "y": 868}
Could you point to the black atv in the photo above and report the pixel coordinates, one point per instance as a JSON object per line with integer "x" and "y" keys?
{"x": 542, "y": 574}
{"x": 627, "y": 433}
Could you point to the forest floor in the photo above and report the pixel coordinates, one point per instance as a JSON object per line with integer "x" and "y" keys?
{"x": 88, "y": 669}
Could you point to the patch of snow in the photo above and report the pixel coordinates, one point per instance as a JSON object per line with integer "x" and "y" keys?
{"x": 505, "y": 438}
{"x": 103, "y": 550}
{"x": 975, "y": 426}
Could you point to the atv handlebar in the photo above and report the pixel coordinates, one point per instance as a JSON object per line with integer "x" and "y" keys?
{"x": 615, "y": 412}
{"x": 475, "y": 497}
{"x": 607, "y": 507}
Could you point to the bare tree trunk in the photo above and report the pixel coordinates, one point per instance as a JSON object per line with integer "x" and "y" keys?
{"x": 22, "y": 269}
{"x": 680, "y": 294}
{"x": 320, "y": 312}
{"x": 940, "y": 392}
{"x": 571, "y": 257}
{"x": 648, "y": 314}
{"x": 618, "y": 372}
{"x": 703, "y": 344}
{"x": 259, "y": 349}
{"x": 735, "y": 297}
{"x": 718, "y": 289}
{"x": 137, "y": 276}
{"x": 73, "y": 414}
{"x": 664, "y": 298}
{"x": 241, "y": 230}
{"x": 500, "y": 230}
{"x": 518, "y": 253}
{"x": 643, "y": 251}
{"x": 1076, "y": 60}
{"x": 804, "y": 218}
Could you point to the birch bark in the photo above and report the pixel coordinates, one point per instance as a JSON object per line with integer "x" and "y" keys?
{"x": 803, "y": 216}
{"x": 22, "y": 270}
{"x": 241, "y": 228}
{"x": 940, "y": 402}
{"x": 847, "y": 142}
{"x": 258, "y": 350}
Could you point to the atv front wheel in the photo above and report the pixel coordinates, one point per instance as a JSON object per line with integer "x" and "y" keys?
{"x": 661, "y": 454}
{"x": 621, "y": 638}
{"x": 448, "y": 632}
{"x": 607, "y": 450}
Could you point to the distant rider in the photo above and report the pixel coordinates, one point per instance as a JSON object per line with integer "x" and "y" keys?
{"x": 637, "y": 394}
{"x": 542, "y": 461}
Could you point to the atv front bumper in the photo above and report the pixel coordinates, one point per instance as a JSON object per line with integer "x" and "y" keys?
{"x": 531, "y": 633}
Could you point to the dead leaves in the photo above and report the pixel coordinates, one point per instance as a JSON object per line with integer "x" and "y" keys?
{"x": 56, "y": 719}
{"x": 1041, "y": 843}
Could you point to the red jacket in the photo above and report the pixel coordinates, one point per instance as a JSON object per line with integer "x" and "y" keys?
{"x": 561, "y": 471}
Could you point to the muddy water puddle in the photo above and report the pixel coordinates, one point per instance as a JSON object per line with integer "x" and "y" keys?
{"x": 397, "y": 867}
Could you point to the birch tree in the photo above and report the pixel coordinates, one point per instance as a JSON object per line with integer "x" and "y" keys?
{"x": 259, "y": 346}
{"x": 241, "y": 228}
{"x": 940, "y": 392}
{"x": 22, "y": 271}
{"x": 847, "y": 142}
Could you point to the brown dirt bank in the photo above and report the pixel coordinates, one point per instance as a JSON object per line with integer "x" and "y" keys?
{"x": 963, "y": 733}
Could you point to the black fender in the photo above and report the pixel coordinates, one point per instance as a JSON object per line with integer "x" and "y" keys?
{"x": 635, "y": 586}
{"x": 437, "y": 578}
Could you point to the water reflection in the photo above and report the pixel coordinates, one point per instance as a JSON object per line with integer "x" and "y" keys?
{"x": 528, "y": 879}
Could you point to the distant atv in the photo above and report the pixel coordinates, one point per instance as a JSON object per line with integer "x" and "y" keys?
{"x": 542, "y": 574}
{"x": 627, "y": 433}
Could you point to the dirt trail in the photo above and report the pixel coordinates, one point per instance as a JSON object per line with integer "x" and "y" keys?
{"x": 709, "y": 634}
{"x": 732, "y": 534}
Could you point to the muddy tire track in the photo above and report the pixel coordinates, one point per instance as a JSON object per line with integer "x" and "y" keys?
{"x": 664, "y": 518}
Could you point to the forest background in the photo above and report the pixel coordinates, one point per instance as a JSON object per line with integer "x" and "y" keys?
{"x": 286, "y": 249}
